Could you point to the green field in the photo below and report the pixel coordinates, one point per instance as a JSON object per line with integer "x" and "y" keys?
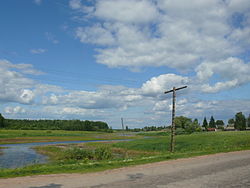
{"x": 139, "y": 151}
{"x": 26, "y": 136}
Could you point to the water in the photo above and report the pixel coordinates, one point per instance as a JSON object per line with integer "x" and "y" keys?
{"x": 19, "y": 155}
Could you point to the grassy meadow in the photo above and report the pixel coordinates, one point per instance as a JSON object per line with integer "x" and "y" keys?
{"x": 27, "y": 136}
{"x": 89, "y": 157}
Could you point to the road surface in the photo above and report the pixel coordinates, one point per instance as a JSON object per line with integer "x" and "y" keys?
{"x": 219, "y": 170}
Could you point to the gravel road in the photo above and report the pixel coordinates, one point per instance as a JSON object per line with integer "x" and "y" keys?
{"x": 219, "y": 170}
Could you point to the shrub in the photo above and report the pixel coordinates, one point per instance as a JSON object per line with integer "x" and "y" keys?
{"x": 76, "y": 153}
{"x": 102, "y": 153}
{"x": 180, "y": 131}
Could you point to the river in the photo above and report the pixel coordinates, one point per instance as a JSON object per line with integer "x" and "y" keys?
{"x": 20, "y": 155}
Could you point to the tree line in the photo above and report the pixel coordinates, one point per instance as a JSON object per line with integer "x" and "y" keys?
{"x": 187, "y": 125}
{"x": 213, "y": 124}
{"x": 72, "y": 125}
{"x": 239, "y": 122}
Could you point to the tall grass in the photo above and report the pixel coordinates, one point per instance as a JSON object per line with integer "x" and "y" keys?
{"x": 207, "y": 142}
{"x": 26, "y": 136}
{"x": 157, "y": 148}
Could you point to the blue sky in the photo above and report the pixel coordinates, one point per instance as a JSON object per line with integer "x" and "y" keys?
{"x": 107, "y": 59}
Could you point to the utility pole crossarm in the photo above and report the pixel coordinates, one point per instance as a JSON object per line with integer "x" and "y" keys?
{"x": 175, "y": 89}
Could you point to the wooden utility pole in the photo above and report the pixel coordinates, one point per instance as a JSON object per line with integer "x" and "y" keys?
{"x": 122, "y": 124}
{"x": 172, "y": 140}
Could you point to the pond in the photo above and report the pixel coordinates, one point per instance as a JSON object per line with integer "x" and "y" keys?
{"x": 20, "y": 155}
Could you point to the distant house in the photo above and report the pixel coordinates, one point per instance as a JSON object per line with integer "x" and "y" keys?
{"x": 229, "y": 128}
{"x": 211, "y": 129}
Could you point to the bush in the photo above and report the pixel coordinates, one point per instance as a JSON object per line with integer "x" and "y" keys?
{"x": 76, "y": 153}
{"x": 180, "y": 131}
{"x": 102, "y": 153}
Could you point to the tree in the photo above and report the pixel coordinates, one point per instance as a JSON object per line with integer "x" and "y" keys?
{"x": 248, "y": 121}
{"x": 231, "y": 122}
{"x": 240, "y": 121}
{"x": 192, "y": 126}
{"x": 220, "y": 124}
{"x": 1, "y": 121}
{"x": 196, "y": 121}
{"x": 205, "y": 124}
{"x": 182, "y": 122}
{"x": 212, "y": 122}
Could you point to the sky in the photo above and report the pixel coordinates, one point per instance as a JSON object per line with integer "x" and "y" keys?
{"x": 104, "y": 60}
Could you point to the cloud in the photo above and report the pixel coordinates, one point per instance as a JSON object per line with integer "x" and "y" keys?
{"x": 14, "y": 110}
{"x": 95, "y": 35}
{"x": 38, "y": 2}
{"x": 37, "y": 51}
{"x": 176, "y": 34}
{"x": 233, "y": 71}
{"x": 24, "y": 68}
{"x": 157, "y": 85}
{"x": 75, "y": 4}
{"x": 14, "y": 86}
{"x": 128, "y": 11}
{"x": 50, "y": 37}
{"x": 102, "y": 99}
{"x": 17, "y": 87}
{"x": 220, "y": 109}
{"x": 141, "y": 106}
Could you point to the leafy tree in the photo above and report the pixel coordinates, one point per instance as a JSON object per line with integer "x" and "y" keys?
{"x": 240, "y": 121}
{"x": 205, "y": 124}
{"x": 127, "y": 129}
{"x": 191, "y": 127}
{"x": 212, "y": 122}
{"x": 231, "y": 122}
{"x": 74, "y": 125}
{"x": 248, "y": 121}
{"x": 196, "y": 121}
{"x": 1, "y": 121}
{"x": 220, "y": 124}
{"x": 182, "y": 122}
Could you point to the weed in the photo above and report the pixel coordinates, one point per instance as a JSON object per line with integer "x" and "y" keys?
{"x": 102, "y": 153}
{"x": 76, "y": 153}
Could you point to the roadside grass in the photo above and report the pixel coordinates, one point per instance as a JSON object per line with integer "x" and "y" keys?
{"x": 89, "y": 152}
{"x": 205, "y": 142}
{"x": 27, "y": 136}
{"x": 136, "y": 152}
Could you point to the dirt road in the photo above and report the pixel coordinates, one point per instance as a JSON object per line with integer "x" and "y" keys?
{"x": 219, "y": 170}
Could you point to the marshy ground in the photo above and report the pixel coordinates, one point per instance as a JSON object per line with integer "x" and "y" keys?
{"x": 89, "y": 157}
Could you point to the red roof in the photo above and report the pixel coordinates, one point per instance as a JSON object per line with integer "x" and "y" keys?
{"x": 211, "y": 129}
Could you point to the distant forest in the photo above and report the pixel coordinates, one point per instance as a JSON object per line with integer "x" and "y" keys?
{"x": 72, "y": 125}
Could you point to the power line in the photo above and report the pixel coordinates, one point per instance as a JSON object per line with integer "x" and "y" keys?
{"x": 91, "y": 76}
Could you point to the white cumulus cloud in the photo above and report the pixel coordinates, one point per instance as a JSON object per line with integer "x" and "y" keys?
{"x": 14, "y": 110}
{"x": 38, "y": 51}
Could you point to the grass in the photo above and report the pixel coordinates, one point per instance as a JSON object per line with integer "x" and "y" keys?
{"x": 205, "y": 142}
{"x": 138, "y": 151}
{"x": 26, "y": 136}
{"x": 90, "y": 151}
